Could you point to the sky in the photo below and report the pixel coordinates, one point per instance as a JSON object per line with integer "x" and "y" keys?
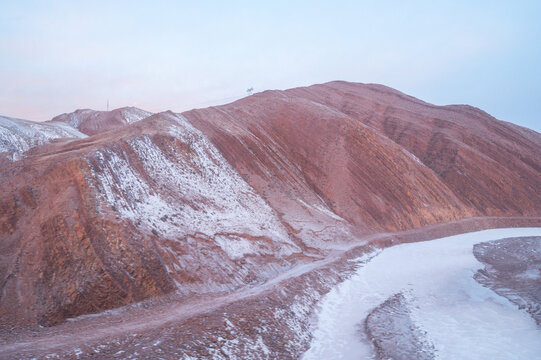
{"x": 58, "y": 56}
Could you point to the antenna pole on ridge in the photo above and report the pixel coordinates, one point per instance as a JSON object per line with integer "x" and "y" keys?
{"x": 107, "y": 104}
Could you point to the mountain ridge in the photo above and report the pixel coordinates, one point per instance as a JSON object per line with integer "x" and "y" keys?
{"x": 215, "y": 199}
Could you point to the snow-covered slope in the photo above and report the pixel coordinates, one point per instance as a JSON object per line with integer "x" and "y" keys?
{"x": 17, "y": 135}
{"x": 92, "y": 122}
{"x": 200, "y": 175}
{"x": 187, "y": 196}
{"x": 182, "y": 219}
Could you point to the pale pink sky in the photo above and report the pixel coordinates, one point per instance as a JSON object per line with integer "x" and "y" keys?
{"x": 57, "y": 56}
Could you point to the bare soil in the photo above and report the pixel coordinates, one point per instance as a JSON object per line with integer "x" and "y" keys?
{"x": 267, "y": 320}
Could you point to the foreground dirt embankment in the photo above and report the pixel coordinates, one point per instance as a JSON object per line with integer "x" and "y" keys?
{"x": 267, "y": 320}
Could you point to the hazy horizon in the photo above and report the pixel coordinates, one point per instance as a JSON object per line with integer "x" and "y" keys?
{"x": 61, "y": 56}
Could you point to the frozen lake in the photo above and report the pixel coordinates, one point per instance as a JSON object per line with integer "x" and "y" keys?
{"x": 460, "y": 318}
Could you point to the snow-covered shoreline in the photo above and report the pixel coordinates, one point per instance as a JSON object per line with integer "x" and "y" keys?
{"x": 462, "y": 319}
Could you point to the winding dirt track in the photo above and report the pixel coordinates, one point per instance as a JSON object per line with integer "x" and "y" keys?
{"x": 134, "y": 319}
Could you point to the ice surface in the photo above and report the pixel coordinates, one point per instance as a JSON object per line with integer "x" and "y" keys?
{"x": 462, "y": 319}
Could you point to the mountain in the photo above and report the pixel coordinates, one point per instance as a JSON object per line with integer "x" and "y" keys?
{"x": 91, "y": 122}
{"x": 18, "y": 136}
{"x": 376, "y": 156}
{"x": 122, "y": 216}
{"x": 215, "y": 200}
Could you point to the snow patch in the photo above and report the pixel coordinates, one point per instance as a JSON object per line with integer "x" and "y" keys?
{"x": 322, "y": 209}
{"x": 412, "y": 156}
{"x": 132, "y": 114}
{"x": 191, "y": 192}
{"x": 236, "y": 247}
{"x": 18, "y": 136}
{"x": 530, "y": 274}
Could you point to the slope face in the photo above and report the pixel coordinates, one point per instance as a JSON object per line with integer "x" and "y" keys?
{"x": 491, "y": 166}
{"x": 93, "y": 122}
{"x": 322, "y": 157}
{"x": 143, "y": 212}
{"x": 18, "y": 136}
{"x": 472, "y": 164}
{"x": 218, "y": 198}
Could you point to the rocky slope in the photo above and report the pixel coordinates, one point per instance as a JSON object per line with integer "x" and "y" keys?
{"x": 212, "y": 200}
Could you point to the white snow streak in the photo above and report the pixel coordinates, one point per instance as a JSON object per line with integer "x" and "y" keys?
{"x": 322, "y": 209}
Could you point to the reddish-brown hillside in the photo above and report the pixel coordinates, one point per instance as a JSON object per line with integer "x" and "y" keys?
{"x": 215, "y": 199}
{"x": 490, "y": 165}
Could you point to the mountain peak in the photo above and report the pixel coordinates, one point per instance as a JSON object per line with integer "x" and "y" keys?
{"x": 92, "y": 122}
